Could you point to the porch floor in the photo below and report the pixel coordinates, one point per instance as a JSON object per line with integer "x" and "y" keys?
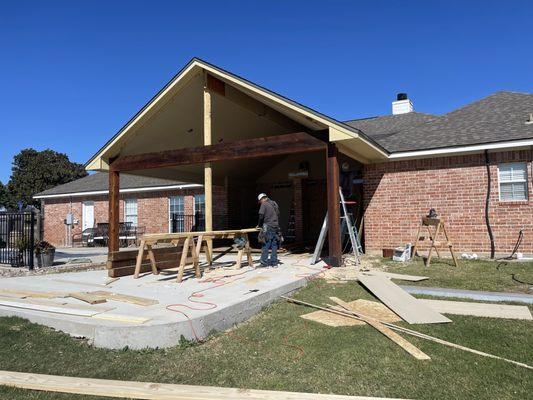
{"x": 230, "y": 296}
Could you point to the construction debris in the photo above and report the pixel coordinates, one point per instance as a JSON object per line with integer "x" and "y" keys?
{"x": 372, "y": 309}
{"x": 401, "y": 302}
{"x": 140, "y": 301}
{"x": 412, "y": 333}
{"x": 400, "y": 341}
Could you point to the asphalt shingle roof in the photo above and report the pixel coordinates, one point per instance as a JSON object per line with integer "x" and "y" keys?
{"x": 100, "y": 181}
{"x": 498, "y": 117}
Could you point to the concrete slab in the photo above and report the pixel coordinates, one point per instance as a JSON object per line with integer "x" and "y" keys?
{"x": 217, "y": 301}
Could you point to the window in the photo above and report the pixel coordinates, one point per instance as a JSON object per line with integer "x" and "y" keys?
{"x": 176, "y": 210}
{"x": 130, "y": 211}
{"x": 199, "y": 204}
{"x": 512, "y": 179}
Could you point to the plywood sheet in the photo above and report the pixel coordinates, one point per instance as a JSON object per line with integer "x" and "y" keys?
{"x": 479, "y": 309}
{"x": 370, "y": 308}
{"x": 401, "y": 302}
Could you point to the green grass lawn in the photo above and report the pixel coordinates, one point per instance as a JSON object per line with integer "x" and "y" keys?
{"x": 278, "y": 350}
{"x": 474, "y": 275}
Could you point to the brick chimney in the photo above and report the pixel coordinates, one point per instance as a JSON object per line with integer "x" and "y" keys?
{"x": 402, "y": 105}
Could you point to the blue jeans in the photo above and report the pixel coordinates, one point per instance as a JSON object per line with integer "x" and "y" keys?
{"x": 271, "y": 243}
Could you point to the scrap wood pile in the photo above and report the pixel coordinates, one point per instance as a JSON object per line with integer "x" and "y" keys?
{"x": 54, "y": 302}
{"x": 397, "y": 306}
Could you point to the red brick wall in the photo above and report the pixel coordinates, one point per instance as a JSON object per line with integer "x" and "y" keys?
{"x": 397, "y": 194}
{"x": 152, "y": 211}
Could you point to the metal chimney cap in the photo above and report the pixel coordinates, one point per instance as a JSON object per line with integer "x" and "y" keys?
{"x": 401, "y": 96}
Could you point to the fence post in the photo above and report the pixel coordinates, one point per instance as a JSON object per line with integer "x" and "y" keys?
{"x": 32, "y": 240}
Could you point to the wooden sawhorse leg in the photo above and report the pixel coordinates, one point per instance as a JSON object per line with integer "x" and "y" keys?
{"x": 183, "y": 261}
{"x": 139, "y": 260}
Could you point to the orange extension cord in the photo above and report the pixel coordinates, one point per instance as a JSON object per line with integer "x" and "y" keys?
{"x": 220, "y": 281}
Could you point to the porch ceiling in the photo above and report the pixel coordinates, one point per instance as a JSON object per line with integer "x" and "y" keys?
{"x": 174, "y": 120}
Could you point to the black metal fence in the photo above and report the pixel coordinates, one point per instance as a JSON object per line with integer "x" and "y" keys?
{"x": 17, "y": 238}
{"x": 195, "y": 222}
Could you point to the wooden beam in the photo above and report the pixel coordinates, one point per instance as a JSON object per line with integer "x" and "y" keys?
{"x": 151, "y": 390}
{"x": 334, "y": 217}
{"x": 291, "y": 143}
{"x": 114, "y": 210}
{"x": 208, "y": 172}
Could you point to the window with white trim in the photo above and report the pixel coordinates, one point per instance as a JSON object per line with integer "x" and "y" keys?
{"x": 199, "y": 204}
{"x": 176, "y": 210}
{"x": 130, "y": 211}
{"x": 512, "y": 180}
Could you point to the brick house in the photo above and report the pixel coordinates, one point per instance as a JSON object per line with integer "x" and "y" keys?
{"x": 211, "y": 127}
{"x": 151, "y": 204}
{"x": 473, "y": 165}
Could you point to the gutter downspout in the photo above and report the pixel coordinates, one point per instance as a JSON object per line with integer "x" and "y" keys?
{"x": 487, "y": 205}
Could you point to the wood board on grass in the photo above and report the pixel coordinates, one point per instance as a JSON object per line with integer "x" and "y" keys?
{"x": 152, "y": 391}
{"x": 479, "y": 309}
{"x": 402, "y": 303}
{"x": 392, "y": 275}
{"x": 370, "y": 308}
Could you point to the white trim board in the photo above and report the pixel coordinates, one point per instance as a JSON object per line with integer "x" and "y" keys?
{"x": 132, "y": 190}
{"x": 512, "y": 144}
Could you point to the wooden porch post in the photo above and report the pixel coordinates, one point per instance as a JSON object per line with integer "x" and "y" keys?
{"x": 208, "y": 173}
{"x": 114, "y": 211}
{"x": 334, "y": 232}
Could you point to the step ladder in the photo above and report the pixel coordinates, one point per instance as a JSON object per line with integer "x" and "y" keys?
{"x": 347, "y": 224}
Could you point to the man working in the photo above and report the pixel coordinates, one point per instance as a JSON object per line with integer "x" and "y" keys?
{"x": 270, "y": 234}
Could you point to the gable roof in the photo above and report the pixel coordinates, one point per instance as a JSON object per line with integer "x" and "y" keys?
{"x": 98, "y": 184}
{"x": 310, "y": 117}
{"x": 499, "y": 117}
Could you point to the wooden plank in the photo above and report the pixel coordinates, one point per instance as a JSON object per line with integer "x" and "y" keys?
{"x": 401, "y": 302}
{"x": 87, "y": 297}
{"x": 58, "y": 304}
{"x": 334, "y": 216}
{"x": 401, "y": 277}
{"x": 132, "y": 254}
{"x": 479, "y": 309}
{"x": 152, "y": 391}
{"x": 114, "y": 211}
{"x": 56, "y": 309}
{"x": 291, "y": 143}
{"x": 31, "y": 293}
{"x": 208, "y": 171}
{"x": 400, "y": 341}
{"x": 140, "y": 301}
{"x": 181, "y": 235}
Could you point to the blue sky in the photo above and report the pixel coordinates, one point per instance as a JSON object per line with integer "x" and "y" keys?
{"x": 72, "y": 73}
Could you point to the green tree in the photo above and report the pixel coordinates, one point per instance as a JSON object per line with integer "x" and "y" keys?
{"x": 4, "y": 195}
{"x": 34, "y": 171}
